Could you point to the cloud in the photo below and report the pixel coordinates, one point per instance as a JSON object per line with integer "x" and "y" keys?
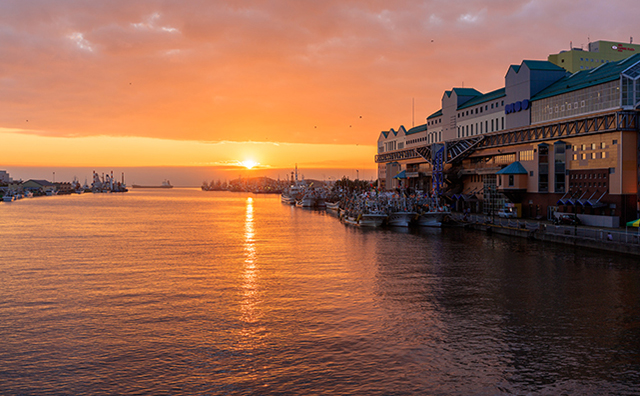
{"x": 278, "y": 71}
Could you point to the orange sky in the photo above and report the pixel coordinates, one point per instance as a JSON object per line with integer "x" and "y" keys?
{"x": 174, "y": 83}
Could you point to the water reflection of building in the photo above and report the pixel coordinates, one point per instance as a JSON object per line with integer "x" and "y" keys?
{"x": 548, "y": 141}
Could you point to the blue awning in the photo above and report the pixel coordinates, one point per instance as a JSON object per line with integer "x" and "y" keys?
{"x": 401, "y": 175}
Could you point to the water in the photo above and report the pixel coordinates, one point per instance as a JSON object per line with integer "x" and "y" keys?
{"x": 191, "y": 292}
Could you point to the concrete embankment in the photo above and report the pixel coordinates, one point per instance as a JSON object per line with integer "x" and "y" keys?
{"x": 603, "y": 240}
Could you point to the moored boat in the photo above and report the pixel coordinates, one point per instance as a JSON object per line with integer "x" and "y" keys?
{"x": 366, "y": 219}
{"x": 431, "y": 219}
{"x": 8, "y": 198}
{"x": 401, "y": 219}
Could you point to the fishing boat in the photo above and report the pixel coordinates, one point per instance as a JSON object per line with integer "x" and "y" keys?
{"x": 401, "y": 219}
{"x": 8, "y": 197}
{"x": 431, "y": 219}
{"x": 366, "y": 219}
{"x": 295, "y": 192}
{"x": 334, "y": 206}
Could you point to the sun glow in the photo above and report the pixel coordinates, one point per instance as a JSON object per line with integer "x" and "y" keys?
{"x": 249, "y": 164}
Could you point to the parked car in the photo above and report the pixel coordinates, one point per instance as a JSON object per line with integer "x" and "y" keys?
{"x": 506, "y": 213}
{"x": 566, "y": 219}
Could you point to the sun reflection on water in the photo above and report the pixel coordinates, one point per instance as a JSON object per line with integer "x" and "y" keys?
{"x": 250, "y": 292}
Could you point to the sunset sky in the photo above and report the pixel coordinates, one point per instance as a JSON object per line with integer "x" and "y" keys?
{"x": 215, "y": 83}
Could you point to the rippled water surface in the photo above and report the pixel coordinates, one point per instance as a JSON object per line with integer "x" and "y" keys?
{"x": 191, "y": 292}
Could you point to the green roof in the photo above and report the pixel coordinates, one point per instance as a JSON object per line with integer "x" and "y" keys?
{"x": 464, "y": 92}
{"x": 436, "y": 114}
{"x": 604, "y": 73}
{"x": 416, "y": 129}
{"x": 493, "y": 95}
{"x": 514, "y": 168}
{"x": 541, "y": 65}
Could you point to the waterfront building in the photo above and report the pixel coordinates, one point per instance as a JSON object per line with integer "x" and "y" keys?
{"x": 573, "y": 136}
{"x": 597, "y": 53}
{"x": 5, "y": 178}
{"x": 37, "y": 185}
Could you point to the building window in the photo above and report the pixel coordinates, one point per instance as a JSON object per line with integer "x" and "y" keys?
{"x": 559, "y": 149}
{"x": 526, "y": 155}
{"x": 602, "y": 145}
{"x": 583, "y": 156}
{"x": 492, "y": 126}
{"x": 575, "y": 157}
{"x": 604, "y": 154}
{"x": 593, "y": 155}
{"x": 543, "y": 167}
{"x": 510, "y": 180}
{"x": 615, "y": 142}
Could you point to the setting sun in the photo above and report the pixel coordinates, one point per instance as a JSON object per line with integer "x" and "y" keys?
{"x": 249, "y": 164}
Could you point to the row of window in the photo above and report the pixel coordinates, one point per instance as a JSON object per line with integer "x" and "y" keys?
{"x": 479, "y": 109}
{"x": 593, "y": 146}
{"x": 594, "y": 60}
{"x": 587, "y": 185}
{"x": 575, "y": 176}
{"x": 585, "y": 156}
{"x": 468, "y": 130}
{"x": 435, "y": 121}
{"x": 583, "y": 101}
{"x": 526, "y": 155}
{"x": 417, "y": 140}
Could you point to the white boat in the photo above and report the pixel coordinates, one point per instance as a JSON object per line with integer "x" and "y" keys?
{"x": 294, "y": 193}
{"x": 335, "y": 206}
{"x": 307, "y": 202}
{"x": 51, "y": 192}
{"x": 366, "y": 220}
{"x": 287, "y": 199}
{"x": 431, "y": 219}
{"x": 8, "y": 198}
{"x": 401, "y": 219}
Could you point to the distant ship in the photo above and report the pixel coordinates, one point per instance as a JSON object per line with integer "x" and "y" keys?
{"x": 165, "y": 184}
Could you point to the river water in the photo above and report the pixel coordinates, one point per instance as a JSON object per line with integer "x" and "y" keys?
{"x": 187, "y": 292}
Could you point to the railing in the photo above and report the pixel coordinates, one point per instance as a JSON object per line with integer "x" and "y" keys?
{"x": 597, "y": 234}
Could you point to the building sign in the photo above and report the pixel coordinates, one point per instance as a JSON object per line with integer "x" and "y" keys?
{"x": 621, "y": 47}
{"x": 516, "y": 107}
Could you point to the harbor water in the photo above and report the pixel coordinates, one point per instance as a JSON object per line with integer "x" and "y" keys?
{"x": 186, "y": 292}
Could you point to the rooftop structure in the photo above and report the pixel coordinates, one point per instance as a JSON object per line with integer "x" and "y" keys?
{"x": 598, "y": 53}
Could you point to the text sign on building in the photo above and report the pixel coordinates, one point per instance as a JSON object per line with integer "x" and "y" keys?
{"x": 621, "y": 47}
{"x": 516, "y": 107}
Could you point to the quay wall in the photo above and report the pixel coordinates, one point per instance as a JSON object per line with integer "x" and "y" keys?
{"x": 619, "y": 246}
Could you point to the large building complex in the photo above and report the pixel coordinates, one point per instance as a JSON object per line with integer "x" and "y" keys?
{"x": 598, "y": 52}
{"x": 549, "y": 140}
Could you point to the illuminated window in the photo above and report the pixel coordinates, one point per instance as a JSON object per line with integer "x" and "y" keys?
{"x": 575, "y": 157}
{"x": 602, "y": 145}
{"x": 604, "y": 154}
{"x": 584, "y": 156}
{"x": 593, "y": 155}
